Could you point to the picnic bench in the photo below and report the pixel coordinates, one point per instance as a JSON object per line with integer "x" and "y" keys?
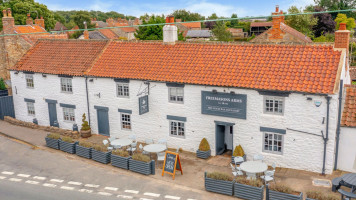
{"x": 346, "y": 194}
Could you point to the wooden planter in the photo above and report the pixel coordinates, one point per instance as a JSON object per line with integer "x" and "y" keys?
{"x": 203, "y": 154}
{"x": 121, "y": 162}
{"x": 102, "y": 157}
{"x": 67, "y": 147}
{"x": 248, "y": 192}
{"x": 83, "y": 151}
{"x": 85, "y": 134}
{"x": 219, "y": 186}
{"x": 142, "y": 167}
{"x": 52, "y": 143}
{"x": 283, "y": 196}
{"x": 4, "y": 93}
{"x": 233, "y": 157}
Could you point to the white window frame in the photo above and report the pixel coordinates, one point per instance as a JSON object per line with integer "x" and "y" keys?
{"x": 69, "y": 114}
{"x": 31, "y": 108}
{"x": 126, "y": 123}
{"x": 124, "y": 91}
{"x": 178, "y": 128}
{"x": 174, "y": 96}
{"x": 273, "y": 141}
{"x": 275, "y": 110}
{"x": 29, "y": 81}
{"x": 66, "y": 85}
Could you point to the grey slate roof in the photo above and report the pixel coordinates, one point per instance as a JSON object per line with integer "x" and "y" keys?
{"x": 96, "y": 35}
{"x": 199, "y": 33}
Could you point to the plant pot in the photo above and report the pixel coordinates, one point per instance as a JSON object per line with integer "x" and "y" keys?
{"x": 52, "y": 143}
{"x": 67, "y": 147}
{"x": 248, "y": 192}
{"x": 203, "y": 154}
{"x": 142, "y": 167}
{"x": 219, "y": 186}
{"x": 233, "y": 157}
{"x": 4, "y": 93}
{"x": 102, "y": 157}
{"x": 85, "y": 134}
{"x": 83, "y": 151}
{"x": 121, "y": 162}
{"x": 283, "y": 196}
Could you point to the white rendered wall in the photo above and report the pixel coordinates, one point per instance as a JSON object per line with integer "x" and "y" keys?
{"x": 347, "y": 150}
{"x": 48, "y": 88}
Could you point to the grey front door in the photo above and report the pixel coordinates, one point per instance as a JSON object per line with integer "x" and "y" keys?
{"x": 220, "y": 139}
{"x": 52, "y": 111}
{"x": 103, "y": 121}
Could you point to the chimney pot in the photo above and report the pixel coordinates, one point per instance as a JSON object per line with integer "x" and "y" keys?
{"x": 9, "y": 14}
{"x": 170, "y": 35}
{"x": 342, "y": 26}
{"x": 277, "y": 8}
{"x": 4, "y": 13}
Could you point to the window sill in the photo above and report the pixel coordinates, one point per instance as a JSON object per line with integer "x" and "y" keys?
{"x": 30, "y": 87}
{"x": 69, "y": 122}
{"x": 177, "y": 102}
{"x": 272, "y": 115}
{"x": 126, "y": 129}
{"x": 64, "y": 92}
{"x": 126, "y": 97}
{"x": 273, "y": 153}
{"x": 177, "y": 136}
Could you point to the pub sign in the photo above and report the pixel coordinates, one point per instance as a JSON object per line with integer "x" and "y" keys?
{"x": 143, "y": 105}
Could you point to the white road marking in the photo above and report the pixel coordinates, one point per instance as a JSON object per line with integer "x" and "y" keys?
{"x": 105, "y": 193}
{"x": 39, "y": 178}
{"x": 151, "y": 194}
{"x": 145, "y": 199}
{"x": 15, "y": 179}
{"x": 2, "y": 177}
{"x": 24, "y": 175}
{"x": 57, "y": 180}
{"x": 132, "y": 191}
{"x": 7, "y": 173}
{"x": 171, "y": 197}
{"x": 85, "y": 190}
{"x": 111, "y": 188}
{"x": 32, "y": 182}
{"x": 74, "y": 183}
{"x": 91, "y": 185}
{"x": 67, "y": 188}
{"x": 49, "y": 185}
{"x": 124, "y": 196}
{"x": 191, "y": 199}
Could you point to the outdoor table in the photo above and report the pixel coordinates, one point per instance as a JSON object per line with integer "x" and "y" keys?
{"x": 154, "y": 148}
{"x": 121, "y": 142}
{"x": 350, "y": 180}
{"x": 253, "y": 167}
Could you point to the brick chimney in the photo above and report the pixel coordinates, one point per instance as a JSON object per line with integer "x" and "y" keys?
{"x": 110, "y": 22}
{"x": 170, "y": 31}
{"x": 29, "y": 20}
{"x": 40, "y": 22}
{"x": 342, "y": 37}
{"x": 8, "y": 22}
{"x": 86, "y": 33}
{"x": 276, "y": 24}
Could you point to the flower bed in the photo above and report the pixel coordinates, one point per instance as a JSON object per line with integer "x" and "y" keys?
{"x": 280, "y": 192}
{"x": 219, "y": 183}
{"x": 120, "y": 158}
{"x": 142, "y": 164}
{"x": 100, "y": 154}
{"x": 248, "y": 189}
{"x": 52, "y": 140}
{"x": 83, "y": 149}
{"x": 67, "y": 144}
{"x": 319, "y": 195}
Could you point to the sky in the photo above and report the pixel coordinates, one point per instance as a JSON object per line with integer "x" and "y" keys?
{"x": 137, "y": 8}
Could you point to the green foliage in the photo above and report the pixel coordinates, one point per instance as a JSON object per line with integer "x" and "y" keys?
{"x": 219, "y": 176}
{"x": 204, "y": 145}
{"x": 353, "y": 83}
{"x": 76, "y": 35}
{"x": 233, "y": 23}
{"x": 254, "y": 183}
{"x": 187, "y": 15}
{"x": 342, "y": 18}
{"x": 328, "y": 37}
{"x": 283, "y": 188}
{"x": 67, "y": 139}
{"x": 85, "y": 125}
{"x": 120, "y": 152}
{"x": 80, "y": 17}
{"x": 238, "y": 151}
{"x": 100, "y": 147}
{"x": 141, "y": 157}
{"x": 151, "y": 32}
{"x": 180, "y": 36}
{"x": 85, "y": 144}
{"x": 338, "y": 5}
{"x": 2, "y": 84}
{"x": 245, "y": 26}
{"x": 302, "y": 23}
{"x": 55, "y": 136}
{"x": 221, "y": 33}
{"x": 352, "y": 50}
{"x": 250, "y": 38}
{"x": 319, "y": 195}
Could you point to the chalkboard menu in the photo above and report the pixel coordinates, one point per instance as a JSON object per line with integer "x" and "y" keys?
{"x": 171, "y": 163}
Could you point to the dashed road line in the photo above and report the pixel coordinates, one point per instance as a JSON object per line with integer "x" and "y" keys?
{"x": 145, "y": 199}
{"x": 56, "y": 180}
{"x": 7, "y": 173}
{"x": 2, "y": 177}
{"x": 32, "y": 182}
{"x": 151, "y": 194}
{"x": 15, "y": 179}
{"x": 67, "y": 188}
{"x": 91, "y": 185}
{"x": 132, "y": 191}
{"x": 85, "y": 190}
{"x": 74, "y": 183}
{"x": 111, "y": 188}
{"x": 39, "y": 178}
{"x": 24, "y": 175}
{"x": 191, "y": 199}
{"x": 171, "y": 197}
{"x": 49, "y": 185}
{"x": 124, "y": 196}
{"x": 105, "y": 193}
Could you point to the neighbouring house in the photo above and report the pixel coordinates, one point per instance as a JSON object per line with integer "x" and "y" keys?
{"x": 274, "y": 100}
{"x": 184, "y": 27}
{"x": 281, "y": 33}
{"x": 259, "y": 27}
{"x": 99, "y": 24}
{"x": 353, "y": 73}
{"x": 59, "y": 27}
{"x": 13, "y": 47}
{"x": 198, "y": 35}
{"x": 124, "y": 32}
{"x": 237, "y": 33}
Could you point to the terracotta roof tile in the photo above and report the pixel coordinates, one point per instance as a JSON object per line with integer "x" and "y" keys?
{"x": 126, "y": 29}
{"x": 29, "y": 29}
{"x": 349, "y": 112}
{"x": 261, "y": 24}
{"x": 192, "y": 24}
{"x": 353, "y": 73}
{"x": 295, "y": 33}
{"x": 109, "y": 34}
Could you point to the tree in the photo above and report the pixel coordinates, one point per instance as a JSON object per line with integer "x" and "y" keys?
{"x": 342, "y": 18}
{"x": 187, "y": 15}
{"x": 221, "y": 33}
{"x": 337, "y": 5}
{"x": 151, "y": 32}
{"x": 234, "y": 23}
{"x": 325, "y": 24}
{"x": 82, "y": 16}
{"x": 211, "y": 24}
{"x": 302, "y": 23}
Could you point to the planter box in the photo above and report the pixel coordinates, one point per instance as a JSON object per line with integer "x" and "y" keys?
{"x": 309, "y": 199}
{"x": 67, "y": 147}
{"x": 142, "y": 167}
{"x": 248, "y": 192}
{"x": 283, "y": 196}
{"x": 102, "y": 157}
{"x": 219, "y": 186}
{"x": 4, "y": 93}
{"x": 121, "y": 162}
{"x": 52, "y": 143}
{"x": 233, "y": 157}
{"x": 83, "y": 151}
{"x": 203, "y": 154}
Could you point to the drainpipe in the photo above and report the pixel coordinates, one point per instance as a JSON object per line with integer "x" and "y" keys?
{"x": 338, "y": 124}
{"x": 86, "y": 88}
{"x": 326, "y": 138}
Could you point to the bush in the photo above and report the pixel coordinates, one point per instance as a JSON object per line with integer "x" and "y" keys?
{"x": 67, "y": 139}
{"x": 85, "y": 144}
{"x": 100, "y": 147}
{"x": 121, "y": 153}
{"x": 54, "y": 136}
{"x": 283, "y": 188}
{"x": 238, "y": 151}
{"x": 2, "y": 84}
{"x": 204, "y": 145}
{"x": 85, "y": 125}
{"x": 141, "y": 157}
{"x": 319, "y": 195}
{"x": 219, "y": 176}
{"x": 254, "y": 183}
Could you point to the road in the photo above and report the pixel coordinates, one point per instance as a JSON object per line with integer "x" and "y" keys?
{"x": 27, "y": 173}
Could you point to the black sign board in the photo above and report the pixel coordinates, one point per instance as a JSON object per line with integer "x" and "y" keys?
{"x": 171, "y": 163}
{"x": 143, "y": 105}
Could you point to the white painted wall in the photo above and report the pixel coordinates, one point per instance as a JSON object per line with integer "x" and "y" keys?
{"x": 347, "y": 149}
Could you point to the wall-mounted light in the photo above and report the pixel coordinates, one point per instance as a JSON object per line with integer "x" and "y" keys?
{"x": 232, "y": 92}
{"x": 98, "y": 95}
{"x": 91, "y": 80}
{"x": 215, "y": 91}
{"x": 16, "y": 72}
{"x": 309, "y": 98}
{"x": 44, "y": 75}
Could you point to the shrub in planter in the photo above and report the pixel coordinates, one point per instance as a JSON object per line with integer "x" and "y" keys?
{"x": 83, "y": 149}
{"x": 318, "y": 195}
{"x": 120, "y": 158}
{"x": 142, "y": 164}
{"x": 204, "y": 149}
{"x": 282, "y": 192}
{"x": 3, "y": 89}
{"x": 67, "y": 144}
{"x": 52, "y": 140}
{"x": 101, "y": 154}
{"x": 238, "y": 152}
{"x": 248, "y": 189}
{"x": 219, "y": 183}
{"x": 85, "y": 130}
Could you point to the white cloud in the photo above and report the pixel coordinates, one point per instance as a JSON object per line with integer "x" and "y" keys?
{"x": 207, "y": 8}
{"x": 102, "y": 6}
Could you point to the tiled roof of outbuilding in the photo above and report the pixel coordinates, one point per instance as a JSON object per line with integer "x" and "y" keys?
{"x": 108, "y": 33}
{"x": 261, "y": 24}
{"x": 349, "y": 113}
{"x": 29, "y": 29}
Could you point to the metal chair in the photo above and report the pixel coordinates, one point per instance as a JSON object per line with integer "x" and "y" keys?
{"x": 236, "y": 171}
{"x": 271, "y": 172}
{"x": 132, "y": 148}
{"x": 258, "y": 157}
{"x": 132, "y": 137}
{"x": 112, "y": 139}
{"x": 105, "y": 142}
{"x": 268, "y": 177}
{"x": 238, "y": 160}
{"x": 160, "y": 156}
{"x": 177, "y": 151}
{"x": 149, "y": 141}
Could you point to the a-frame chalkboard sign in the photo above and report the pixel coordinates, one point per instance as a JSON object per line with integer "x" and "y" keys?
{"x": 171, "y": 164}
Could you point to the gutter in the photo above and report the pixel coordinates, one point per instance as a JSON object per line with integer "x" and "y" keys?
{"x": 326, "y": 138}
{"x": 338, "y": 124}
{"x": 86, "y": 89}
